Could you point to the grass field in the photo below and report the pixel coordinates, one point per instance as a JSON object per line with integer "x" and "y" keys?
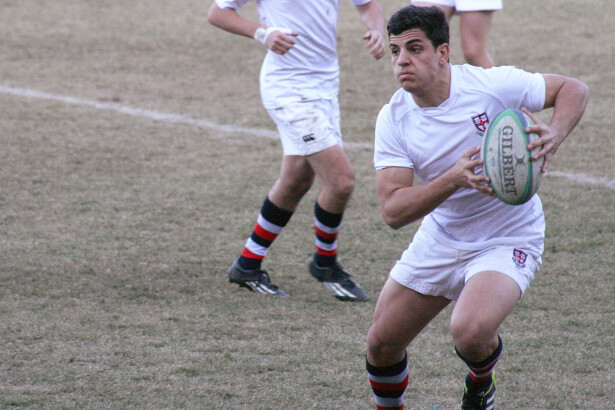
{"x": 124, "y": 199}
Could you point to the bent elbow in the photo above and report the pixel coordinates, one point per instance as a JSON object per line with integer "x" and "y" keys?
{"x": 395, "y": 225}
{"x": 214, "y": 15}
{"x": 211, "y": 18}
{"x": 392, "y": 219}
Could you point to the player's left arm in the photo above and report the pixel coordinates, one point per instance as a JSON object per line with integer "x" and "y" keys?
{"x": 568, "y": 97}
{"x": 373, "y": 18}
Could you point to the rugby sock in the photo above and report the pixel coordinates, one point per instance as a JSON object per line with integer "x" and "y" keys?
{"x": 269, "y": 224}
{"x": 480, "y": 372}
{"x": 326, "y": 227}
{"x": 389, "y": 384}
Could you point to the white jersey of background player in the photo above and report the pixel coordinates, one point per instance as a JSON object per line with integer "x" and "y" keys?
{"x": 310, "y": 70}
{"x": 299, "y": 83}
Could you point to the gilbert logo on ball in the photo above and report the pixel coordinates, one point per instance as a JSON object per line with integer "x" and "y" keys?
{"x": 514, "y": 178}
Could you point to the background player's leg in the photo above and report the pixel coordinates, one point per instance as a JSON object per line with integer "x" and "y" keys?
{"x": 474, "y": 30}
{"x": 296, "y": 178}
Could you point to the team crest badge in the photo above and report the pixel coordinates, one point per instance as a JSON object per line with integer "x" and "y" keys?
{"x": 481, "y": 121}
{"x": 519, "y": 257}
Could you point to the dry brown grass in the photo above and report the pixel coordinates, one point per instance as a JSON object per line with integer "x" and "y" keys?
{"x": 117, "y": 230}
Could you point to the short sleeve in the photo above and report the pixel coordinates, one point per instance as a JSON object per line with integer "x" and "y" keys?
{"x": 231, "y": 4}
{"x": 389, "y": 147}
{"x": 519, "y": 88}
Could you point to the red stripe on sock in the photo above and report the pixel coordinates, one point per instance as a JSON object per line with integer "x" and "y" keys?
{"x": 325, "y": 235}
{"x": 265, "y": 234}
{"x": 390, "y": 386}
{"x": 480, "y": 379}
{"x": 321, "y": 251}
{"x": 246, "y": 253}
{"x": 390, "y": 408}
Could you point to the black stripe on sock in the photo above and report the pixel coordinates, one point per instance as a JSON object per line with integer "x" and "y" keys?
{"x": 275, "y": 215}
{"x": 259, "y": 240}
{"x": 479, "y": 365}
{"x": 391, "y": 370}
{"x": 327, "y": 218}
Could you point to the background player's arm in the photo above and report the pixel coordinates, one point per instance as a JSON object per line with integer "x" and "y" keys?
{"x": 373, "y": 19}
{"x": 402, "y": 203}
{"x": 231, "y": 21}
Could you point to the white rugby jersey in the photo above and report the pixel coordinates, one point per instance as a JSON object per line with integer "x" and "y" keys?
{"x": 309, "y": 70}
{"x": 431, "y": 140}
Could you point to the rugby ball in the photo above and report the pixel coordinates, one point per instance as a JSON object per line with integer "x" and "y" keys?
{"x": 514, "y": 178}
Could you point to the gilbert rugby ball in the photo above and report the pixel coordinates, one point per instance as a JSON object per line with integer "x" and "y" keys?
{"x": 514, "y": 178}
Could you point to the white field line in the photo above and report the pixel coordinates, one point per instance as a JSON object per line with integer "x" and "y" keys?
{"x": 150, "y": 114}
{"x": 586, "y": 179}
{"x": 205, "y": 124}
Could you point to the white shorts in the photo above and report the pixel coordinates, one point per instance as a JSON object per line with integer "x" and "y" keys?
{"x": 466, "y": 5}
{"x": 436, "y": 269}
{"x": 308, "y": 127}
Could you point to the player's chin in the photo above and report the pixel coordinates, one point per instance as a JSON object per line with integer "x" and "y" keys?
{"x": 407, "y": 85}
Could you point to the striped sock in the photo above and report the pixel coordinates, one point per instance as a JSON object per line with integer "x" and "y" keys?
{"x": 269, "y": 224}
{"x": 389, "y": 384}
{"x": 480, "y": 372}
{"x": 326, "y": 227}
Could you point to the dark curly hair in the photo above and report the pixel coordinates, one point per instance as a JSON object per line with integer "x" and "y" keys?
{"x": 429, "y": 19}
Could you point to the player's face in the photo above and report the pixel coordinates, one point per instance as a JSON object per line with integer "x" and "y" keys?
{"x": 415, "y": 61}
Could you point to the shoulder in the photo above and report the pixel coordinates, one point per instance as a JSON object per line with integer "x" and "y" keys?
{"x": 399, "y": 106}
{"x": 507, "y": 84}
{"x": 471, "y": 76}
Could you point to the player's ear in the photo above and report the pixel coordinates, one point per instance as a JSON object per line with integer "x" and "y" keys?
{"x": 443, "y": 52}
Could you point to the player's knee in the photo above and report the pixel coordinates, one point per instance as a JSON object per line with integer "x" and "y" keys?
{"x": 470, "y": 336}
{"x": 472, "y": 55}
{"x": 299, "y": 185}
{"x": 302, "y": 186}
{"x": 344, "y": 185}
{"x": 379, "y": 348}
{"x": 476, "y": 56}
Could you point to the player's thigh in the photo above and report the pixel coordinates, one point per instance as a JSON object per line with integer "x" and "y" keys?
{"x": 485, "y": 301}
{"x": 401, "y": 313}
{"x": 474, "y": 27}
{"x": 447, "y": 6}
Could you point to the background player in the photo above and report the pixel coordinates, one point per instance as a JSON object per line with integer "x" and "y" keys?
{"x": 299, "y": 84}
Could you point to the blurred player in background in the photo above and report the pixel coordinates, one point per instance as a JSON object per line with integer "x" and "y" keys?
{"x": 299, "y": 84}
{"x": 475, "y": 17}
{"x": 470, "y": 246}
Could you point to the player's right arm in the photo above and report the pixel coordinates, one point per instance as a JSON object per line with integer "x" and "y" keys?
{"x": 231, "y": 21}
{"x": 401, "y": 202}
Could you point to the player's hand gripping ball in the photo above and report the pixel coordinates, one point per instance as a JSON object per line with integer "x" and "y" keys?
{"x": 514, "y": 177}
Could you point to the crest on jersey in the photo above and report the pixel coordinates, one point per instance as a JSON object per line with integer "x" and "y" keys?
{"x": 519, "y": 257}
{"x": 481, "y": 121}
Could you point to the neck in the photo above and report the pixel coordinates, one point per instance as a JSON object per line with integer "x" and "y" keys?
{"x": 438, "y": 92}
